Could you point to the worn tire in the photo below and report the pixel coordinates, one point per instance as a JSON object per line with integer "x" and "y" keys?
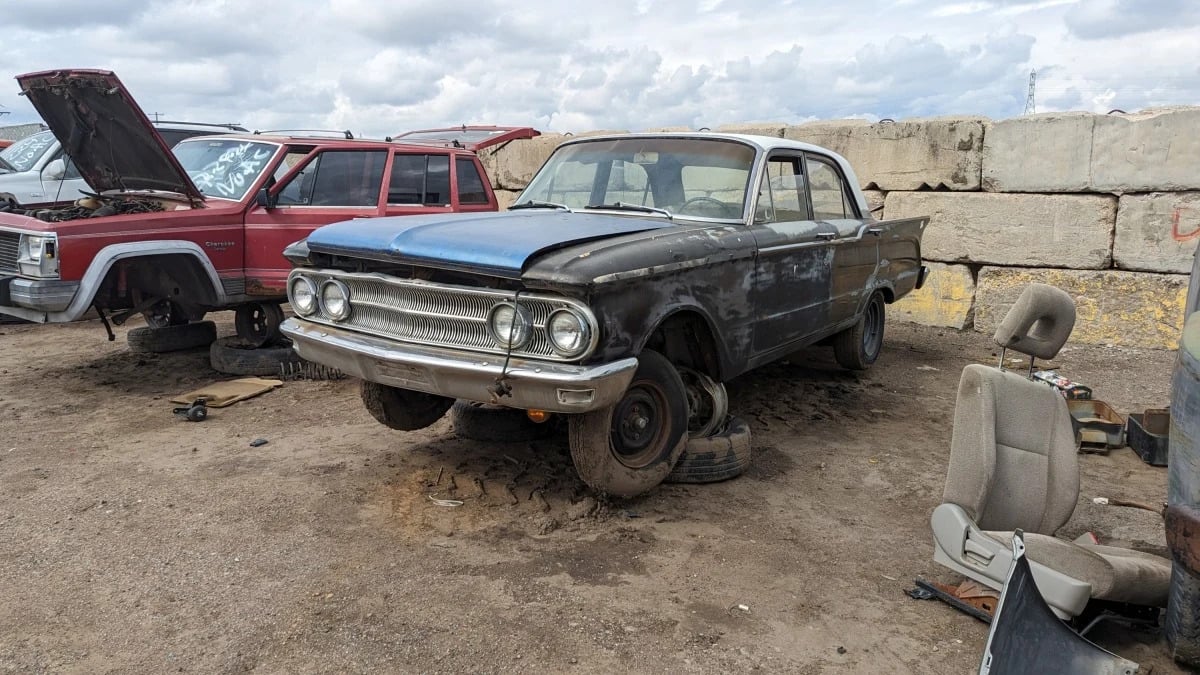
{"x": 592, "y": 435}
{"x": 402, "y": 409}
{"x": 232, "y": 356}
{"x": 496, "y": 423}
{"x": 172, "y": 338}
{"x": 721, "y": 456}
{"x": 857, "y": 347}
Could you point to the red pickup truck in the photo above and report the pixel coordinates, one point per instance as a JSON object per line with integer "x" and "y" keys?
{"x": 173, "y": 235}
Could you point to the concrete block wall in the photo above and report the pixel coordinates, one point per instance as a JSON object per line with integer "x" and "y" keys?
{"x": 1104, "y": 206}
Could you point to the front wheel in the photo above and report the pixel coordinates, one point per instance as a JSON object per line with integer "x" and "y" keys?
{"x": 858, "y": 346}
{"x": 631, "y": 447}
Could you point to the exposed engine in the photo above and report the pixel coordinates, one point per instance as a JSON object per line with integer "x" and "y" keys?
{"x": 91, "y": 206}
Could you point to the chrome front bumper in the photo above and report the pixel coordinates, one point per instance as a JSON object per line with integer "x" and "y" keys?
{"x": 33, "y": 299}
{"x": 536, "y": 385}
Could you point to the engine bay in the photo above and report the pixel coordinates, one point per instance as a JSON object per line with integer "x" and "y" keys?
{"x": 92, "y": 206}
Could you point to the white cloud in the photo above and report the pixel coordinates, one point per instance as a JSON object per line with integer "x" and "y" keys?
{"x": 379, "y": 68}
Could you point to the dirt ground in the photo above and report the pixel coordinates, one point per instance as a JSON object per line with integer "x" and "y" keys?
{"x": 133, "y": 541}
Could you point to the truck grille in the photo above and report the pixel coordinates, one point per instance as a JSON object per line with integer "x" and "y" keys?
{"x": 9, "y": 245}
{"x": 440, "y": 314}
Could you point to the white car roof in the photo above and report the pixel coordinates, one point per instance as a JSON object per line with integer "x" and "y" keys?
{"x": 765, "y": 144}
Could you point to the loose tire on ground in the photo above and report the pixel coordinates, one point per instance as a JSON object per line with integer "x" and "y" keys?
{"x": 496, "y": 423}
{"x": 402, "y": 409}
{"x": 232, "y": 356}
{"x": 721, "y": 456}
{"x": 629, "y": 448}
{"x": 172, "y": 338}
{"x": 857, "y": 347}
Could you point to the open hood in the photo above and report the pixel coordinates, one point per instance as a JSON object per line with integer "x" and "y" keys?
{"x": 473, "y": 138}
{"x": 103, "y": 130}
{"x": 501, "y": 244}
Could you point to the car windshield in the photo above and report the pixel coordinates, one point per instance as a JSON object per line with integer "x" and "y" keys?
{"x": 224, "y": 168}
{"x": 25, "y": 153}
{"x": 668, "y": 177}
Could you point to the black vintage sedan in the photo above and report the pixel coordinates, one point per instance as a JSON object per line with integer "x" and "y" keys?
{"x": 632, "y": 277}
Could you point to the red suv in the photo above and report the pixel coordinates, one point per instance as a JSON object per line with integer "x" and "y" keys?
{"x": 172, "y": 236}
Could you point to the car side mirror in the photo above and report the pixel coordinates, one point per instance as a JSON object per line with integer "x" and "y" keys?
{"x": 55, "y": 170}
{"x": 265, "y": 199}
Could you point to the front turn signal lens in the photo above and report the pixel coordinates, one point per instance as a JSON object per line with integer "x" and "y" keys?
{"x": 537, "y": 416}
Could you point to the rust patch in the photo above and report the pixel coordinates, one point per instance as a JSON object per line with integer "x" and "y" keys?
{"x": 1183, "y": 536}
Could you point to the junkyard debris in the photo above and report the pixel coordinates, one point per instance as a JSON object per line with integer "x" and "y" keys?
{"x": 258, "y": 442}
{"x": 221, "y": 394}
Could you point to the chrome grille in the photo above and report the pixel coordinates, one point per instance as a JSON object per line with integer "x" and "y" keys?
{"x": 440, "y": 314}
{"x": 10, "y": 243}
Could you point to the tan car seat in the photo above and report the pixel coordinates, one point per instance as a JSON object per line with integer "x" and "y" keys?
{"x": 1014, "y": 464}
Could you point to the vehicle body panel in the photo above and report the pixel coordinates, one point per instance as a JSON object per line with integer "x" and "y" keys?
{"x": 110, "y": 139}
{"x": 495, "y": 243}
{"x": 762, "y": 286}
{"x": 223, "y": 219}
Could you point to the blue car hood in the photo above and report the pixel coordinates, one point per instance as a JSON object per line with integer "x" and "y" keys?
{"x": 500, "y": 244}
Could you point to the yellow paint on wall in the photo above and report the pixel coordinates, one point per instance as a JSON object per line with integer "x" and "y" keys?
{"x": 1129, "y": 309}
{"x": 946, "y": 300}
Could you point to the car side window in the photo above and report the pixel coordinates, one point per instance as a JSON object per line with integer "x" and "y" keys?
{"x": 470, "y": 184}
{"x": 337, "y": 178}
{"x": 781, "y": 194}
{"x": 829, "y": 199}
{"x": 421, "y": 180}
{"x": 290, "y": 194}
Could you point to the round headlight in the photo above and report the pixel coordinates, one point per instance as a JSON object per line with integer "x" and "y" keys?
{"x": 569, "y": 332}
{"x": 304, "y": 296}
{"x": 510, "y": 325}
{"x": 335, "y": 299}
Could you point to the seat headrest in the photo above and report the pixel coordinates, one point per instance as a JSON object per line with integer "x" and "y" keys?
{"x": 1039, "y": 322}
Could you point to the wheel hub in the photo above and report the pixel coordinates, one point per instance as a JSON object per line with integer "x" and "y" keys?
{"x": 637, "y": 432}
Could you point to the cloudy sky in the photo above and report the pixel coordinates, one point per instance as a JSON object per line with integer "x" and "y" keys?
{"x": 382, "y": 67}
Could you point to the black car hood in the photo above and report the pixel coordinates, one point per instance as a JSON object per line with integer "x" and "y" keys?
{"x": 501, "y": 244}
{"x": 101, "y": 127}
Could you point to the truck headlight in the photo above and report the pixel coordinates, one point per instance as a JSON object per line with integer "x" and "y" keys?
{"x": 303, "y": 295}
{"x": 335, "y": 299}
{"x": 569, "y": 332}
{"x": 510, "y": 325}
{"x": 37, "y": 256}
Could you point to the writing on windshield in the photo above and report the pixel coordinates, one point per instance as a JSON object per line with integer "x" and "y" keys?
{"x": 25, "y": 153}
{"x": 224, "y": 168}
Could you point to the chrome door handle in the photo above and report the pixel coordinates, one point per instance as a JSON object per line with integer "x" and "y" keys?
{"x": 877, "y": 231}
{"x": 827, "y": 235}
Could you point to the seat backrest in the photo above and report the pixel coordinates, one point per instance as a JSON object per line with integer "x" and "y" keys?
{"x": 1013, "y": 460}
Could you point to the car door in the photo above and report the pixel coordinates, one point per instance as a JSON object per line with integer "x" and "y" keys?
{"x": 419, "y": 182}
{"x": 326, "y": 186}
{"x": 791, "y": 287}
{"x": 855, "y": 249}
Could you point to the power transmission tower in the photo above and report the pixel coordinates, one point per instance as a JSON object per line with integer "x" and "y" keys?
{"x": 1030, "y": 105}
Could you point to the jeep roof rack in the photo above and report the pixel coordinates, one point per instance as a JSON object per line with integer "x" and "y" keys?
{"x": 232, "y": 126}
{"x": 344, "y": 134}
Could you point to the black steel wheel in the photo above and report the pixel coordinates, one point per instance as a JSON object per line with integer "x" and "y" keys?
{"x": 257, "y": 323}
{"x": 629, "y": 448}
{"x": 165, "y": 313}
{"x": 857, "y": 347}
